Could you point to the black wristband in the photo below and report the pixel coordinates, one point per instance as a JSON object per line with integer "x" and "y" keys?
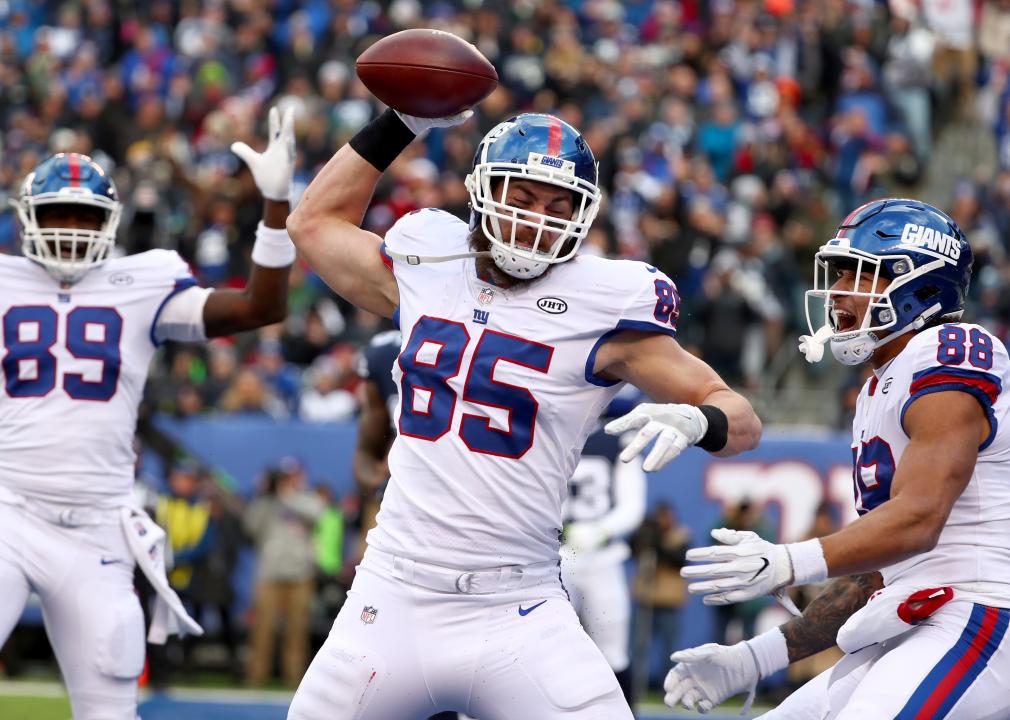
{"x": 718, "y": 429}
{"x": 381, "y": 140}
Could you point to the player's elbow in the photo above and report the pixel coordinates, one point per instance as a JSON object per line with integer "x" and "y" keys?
{"x": 922, "y": 528}
{"x": 274, "y": 313}
{"x": 297, "y": 225}
{"x": 752, "y": 434}
{"x": 744, "y": 435}
{"x": 930, "y": 531}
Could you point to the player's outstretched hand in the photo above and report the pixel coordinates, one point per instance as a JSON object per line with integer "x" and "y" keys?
{"x": 743, "y": 568}
{"x": 273, "y": 168}
{"x": 420, "y": 126}
{"x": 674, "y": 427}
{"x": 707, "y": 675}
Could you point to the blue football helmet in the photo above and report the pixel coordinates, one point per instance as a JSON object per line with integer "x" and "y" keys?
{"x": 532, "y": 147}
{"x": 68, "y": 179}
{"x": 915, "y": 246}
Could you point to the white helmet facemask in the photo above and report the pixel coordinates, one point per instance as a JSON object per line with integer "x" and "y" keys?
{"x": 552, "y": 233}
{"x": 855, "y": 345}
{"x": 67, "y": 253}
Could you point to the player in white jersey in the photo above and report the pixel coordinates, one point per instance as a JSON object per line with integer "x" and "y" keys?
{"x": 512, "y": 345}
{"x": 605, "y": 504}
{"x": 79, "y": 330}
{"x": 931, "y": 471}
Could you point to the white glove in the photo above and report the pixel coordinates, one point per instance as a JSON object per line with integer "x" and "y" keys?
{"x": 420, "y": 126}
{"x": 584, "y": 537}
{"x": 708, "y": 675}
{"x": 674, "y": 427}
{"x": 273, "y": 168}
{"x": 744, "y": 568}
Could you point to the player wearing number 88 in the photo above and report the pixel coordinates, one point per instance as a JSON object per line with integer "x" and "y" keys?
{"x": 513, "y": 343}
{"x": 930, "y": 447}
{"x": 78, "y": 330}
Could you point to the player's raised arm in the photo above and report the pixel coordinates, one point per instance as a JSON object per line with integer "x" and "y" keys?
{"x": 264, "y": 299}
{"x": 326, "y": 224}
{"x": 193, "y": 313}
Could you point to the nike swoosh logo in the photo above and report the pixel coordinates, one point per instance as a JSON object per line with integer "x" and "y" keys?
{"x": 106, "y": 561}
{"x": 530, "y": 609}
{"x": 763, "y": 568}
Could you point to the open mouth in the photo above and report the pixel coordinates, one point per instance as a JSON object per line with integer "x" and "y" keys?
{"x": 844, "y": 320}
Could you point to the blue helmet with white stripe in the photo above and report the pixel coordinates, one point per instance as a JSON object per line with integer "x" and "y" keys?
{"x": 68, "y": 179}
{"x": 536, "y": 147}
{"x": 920, "y": 263}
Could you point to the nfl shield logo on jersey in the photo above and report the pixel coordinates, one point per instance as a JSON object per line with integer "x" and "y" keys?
{"x": 368, "y": 615}
{"x": 486, "y": 296}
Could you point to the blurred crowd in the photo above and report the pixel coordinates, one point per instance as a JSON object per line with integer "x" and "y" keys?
{"x": 731, "y": 137}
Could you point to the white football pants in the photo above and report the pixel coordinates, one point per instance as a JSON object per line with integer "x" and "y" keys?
{"x": 601, "y": 599}
{"x": 955, "y": 665}
{"x": 84, "y": 577}
{"x": 402, "y": 651}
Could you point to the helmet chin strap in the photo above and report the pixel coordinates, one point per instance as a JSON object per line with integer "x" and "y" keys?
{"x": 418, "y": 259}
{"x": 857, "y": 350}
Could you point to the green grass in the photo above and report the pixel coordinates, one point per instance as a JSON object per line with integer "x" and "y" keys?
{"x": 34, "y": 708}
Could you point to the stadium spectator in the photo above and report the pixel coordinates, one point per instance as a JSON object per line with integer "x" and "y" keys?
{"x": 660, "y": 546}
{"x": 212, "y": 590}
{"x": 281, "y": 522}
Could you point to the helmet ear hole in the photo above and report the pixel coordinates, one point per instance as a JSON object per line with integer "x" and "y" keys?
{"x": 925, "y": 293}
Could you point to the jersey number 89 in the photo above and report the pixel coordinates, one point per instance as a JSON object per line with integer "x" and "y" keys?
{"x": 29, "y": 333}
{"x": 427, "y": 375}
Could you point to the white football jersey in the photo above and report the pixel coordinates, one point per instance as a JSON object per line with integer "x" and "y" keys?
{"x": 74, "y": 364}
{"x": 497, "y": 394}
{"x": 973, "y": 552}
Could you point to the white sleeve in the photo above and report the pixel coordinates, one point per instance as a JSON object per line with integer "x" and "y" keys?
{"x": 181, "y": 317}
{"x": 629, "y": 500}
{"x": 652, "y": 302}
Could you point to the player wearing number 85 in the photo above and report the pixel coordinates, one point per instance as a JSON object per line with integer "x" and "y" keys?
{"x": 79, "y": 329}
{"x": 930, "y": 448}
{"x": 513, "y": 343}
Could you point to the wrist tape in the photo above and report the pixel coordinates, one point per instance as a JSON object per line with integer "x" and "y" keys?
{"x": 273, "y": 248}
{"x": 381, "y": 140}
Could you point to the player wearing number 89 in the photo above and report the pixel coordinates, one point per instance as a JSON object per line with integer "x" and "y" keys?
{"x": 930, "y": 451}
{"x": 78, "y": 330}
{"x": 513, "y": 345}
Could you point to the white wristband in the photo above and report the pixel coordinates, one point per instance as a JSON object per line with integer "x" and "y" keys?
{"x": 808, "y": 562}
{"x": 273, "y": 248}
{"x": 770, "y": 652}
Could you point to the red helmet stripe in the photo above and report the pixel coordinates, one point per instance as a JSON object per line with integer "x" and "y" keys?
{"x": 849, "y": 217}
{"x": 554, "y": 138}
{"x": 75, "y": 170}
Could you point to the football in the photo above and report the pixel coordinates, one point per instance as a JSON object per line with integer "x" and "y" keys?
{"x": 426, "y": 73}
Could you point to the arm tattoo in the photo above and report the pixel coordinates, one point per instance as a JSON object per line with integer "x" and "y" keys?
{"x": 816, "y": 629}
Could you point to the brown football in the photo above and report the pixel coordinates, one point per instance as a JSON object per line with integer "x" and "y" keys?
{"x": 426, "y": 73}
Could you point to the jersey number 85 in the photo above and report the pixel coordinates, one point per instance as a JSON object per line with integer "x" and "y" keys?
{"x": 426, "y": 375}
